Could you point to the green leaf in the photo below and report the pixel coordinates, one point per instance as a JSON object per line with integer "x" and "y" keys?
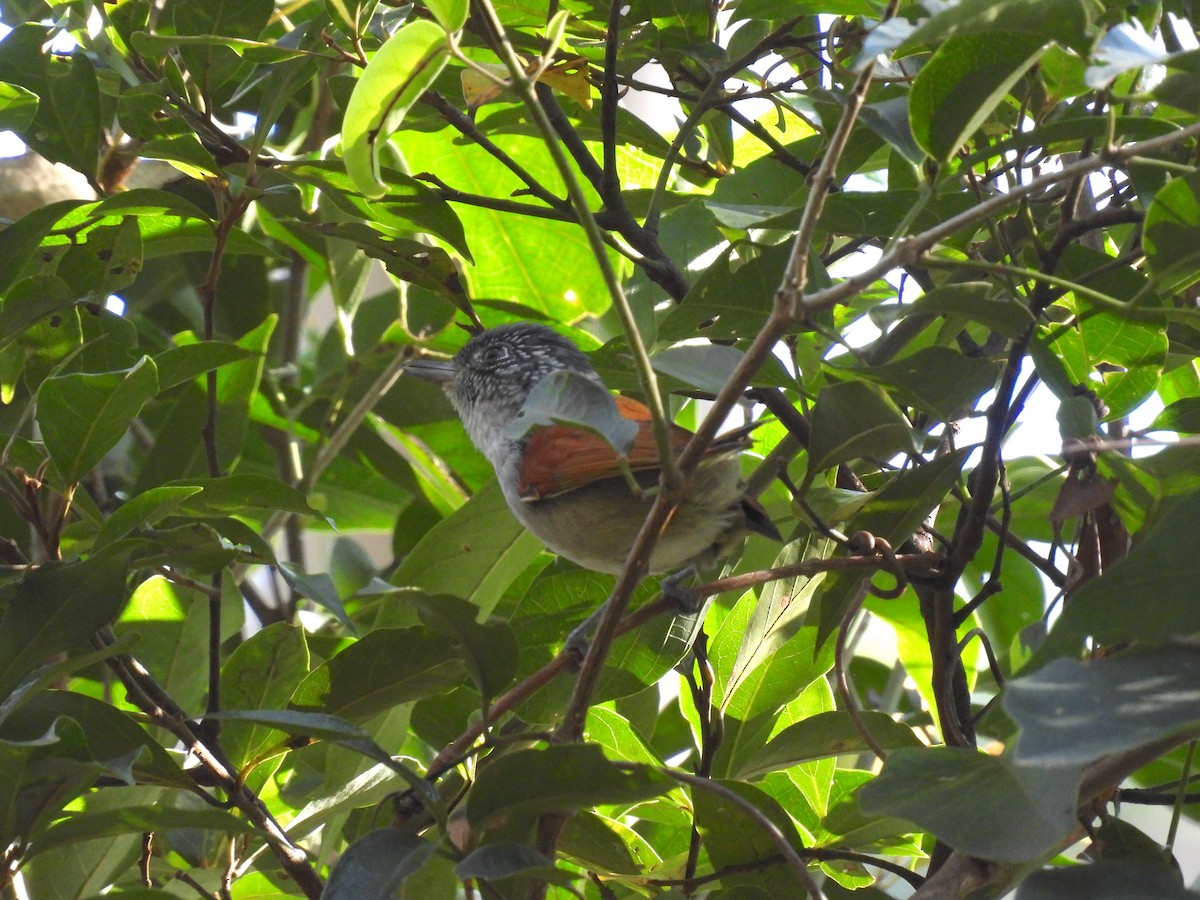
{"x": 894, "y": 513}
{"x": 211, "y": 63}
{"x": 733, "y": 839}
{"x": 1106, "y": 880}
{"x": 475, "y": 553}
{"x": 544, "y": 265}
{"x": 107, "y": 259}
{"x": 237, "y": 384}
{"x": 964, "y": 81}
{"x": 706, "y": 366}
{"x": 29, "y": 300}
{"x": 852, "y": 419}
{"x": 110, "y": 734}
{"x": 180, "y": 364}
{"x": 560, "y": 777}
{"x": 1134, "y": 351}
{"x": 350, "y": 15}
{"x": 318, "y": 588}
{"x": 54, "y": 608}
{"x": 141, "y": 511}
{"x": 489, "y": 650}
{"x": 407, "y": 206}
{"x": 83, "y": 416}
{"x": 1030, "y": 809}
{"x": 570, "y": 398}
{"x": 503, "y": 860}
{"x": 17, "y": 107}
{"x": 240, "y": 494}
{"x": 1183, "y": 415}
{"x": 24, "y": 237}
{"x": 376, "y": 865}
{"x": 384, "y": 668}
{"x": 727, "y": 301}
{"x": 1072, "y": 712}
{"x": 936, "y": 379}
{"x": 395, "y": 77}
{"x": 823, "y": 735}
{"x": 451, "y": 14}
{"x": 321, "y": 726}
{"x": 1171, "y": 233}
{"x": 776, "y": 656}
{"x": 136, "y": 820}
{"x": 171, "y": 622}
{"x": 1155, "y": 568}
{"x": 66, "y": 125}
{"x": 262, "y": 673}
{"x": 1066, "y": 21}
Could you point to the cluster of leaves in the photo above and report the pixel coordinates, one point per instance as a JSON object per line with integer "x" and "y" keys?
{"x": 880, "y": 221}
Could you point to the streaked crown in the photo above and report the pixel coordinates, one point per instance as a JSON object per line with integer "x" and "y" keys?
{"x": 496, "y": 370}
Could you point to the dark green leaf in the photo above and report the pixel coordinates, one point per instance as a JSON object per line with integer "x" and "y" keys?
{"x": 1117, "y": 880}
{"x": 1171, "y": 233}
{"x": 180, "y": 364}
{"x": 560, "y": 777}
{"x": 212, "y": 63}
{"x": 375, "y": 866}
{"x": 894, "y": 514}
{"x": 495, "y": 861}
{"x": 1155, "y": 568}
{"x": 956, "y": 91}
{"x": 489, "y": 650}
{"x": 1029, "y": 808}
{"x": 29, "y": 300}
{"x": 83, "y": 416}
{"x": 384, "y": 668}
{"x": 938, "y": 380}
{"x": 732, "y": 838}
{"x": 727, "y": 301}
{"x": 318, "y": 588}
{"x": 1071, "y": 712}
{"x": 66, "y": 126}
{"x": 141, "y": 511}
{"x": 408, "y": 204}
{"x": 137, "y": 820}
{"x": 474, "y": 553}
{"x": 241, "y": 495}
{"x": 852, "y": 419}
{"x": 55, "y": 607}
{"x": 109, "y": 733}
{"x": 1066, "y": 21}
{"x": 1182, "y": 415}
{"x": 262, "y": 673}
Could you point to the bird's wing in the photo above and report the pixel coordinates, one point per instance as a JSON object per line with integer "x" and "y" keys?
{"x": 559, "y": 458}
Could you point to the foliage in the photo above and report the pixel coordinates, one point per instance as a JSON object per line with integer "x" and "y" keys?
{"x": 905, "y": 231}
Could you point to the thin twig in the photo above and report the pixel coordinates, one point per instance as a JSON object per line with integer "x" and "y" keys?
{"x": 790, "y": 856}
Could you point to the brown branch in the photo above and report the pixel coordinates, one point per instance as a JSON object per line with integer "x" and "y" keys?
{"x": 149, "y": 696}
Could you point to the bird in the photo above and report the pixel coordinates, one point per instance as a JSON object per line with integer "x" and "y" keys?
{"x": 565, "y": 483}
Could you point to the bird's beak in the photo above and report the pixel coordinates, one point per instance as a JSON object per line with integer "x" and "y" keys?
{"x": 439, "y": 371}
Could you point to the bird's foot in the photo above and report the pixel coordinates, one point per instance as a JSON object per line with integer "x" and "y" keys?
{"x": 674, "y": 588}
{"x": 580, "y": 638}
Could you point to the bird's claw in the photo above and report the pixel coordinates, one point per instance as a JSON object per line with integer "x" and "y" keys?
{"x": 674, "y": 588}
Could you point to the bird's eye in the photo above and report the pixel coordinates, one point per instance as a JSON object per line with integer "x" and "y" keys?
{"x": 494, "y": 355}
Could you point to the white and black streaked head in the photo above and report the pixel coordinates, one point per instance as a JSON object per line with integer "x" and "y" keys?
{"x": 491, "y": 376}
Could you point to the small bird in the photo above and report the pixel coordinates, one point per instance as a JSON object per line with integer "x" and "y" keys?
{"x": 564, "y": 483}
